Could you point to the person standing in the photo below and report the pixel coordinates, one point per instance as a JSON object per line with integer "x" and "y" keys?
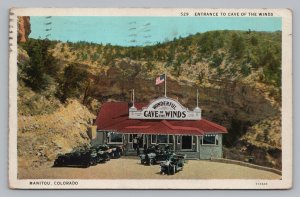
{"x": 138, "y": 146}
{"x": 135, "y": 143}
{"x": 145, "y": 148}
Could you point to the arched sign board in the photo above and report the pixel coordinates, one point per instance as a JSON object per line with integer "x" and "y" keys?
{"x": 165, "y": 108}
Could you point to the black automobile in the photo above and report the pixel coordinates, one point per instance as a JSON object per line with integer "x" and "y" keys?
{"x": 83, "y": 158}
{"x": 103, "y": 152}
{"x": 154, "y": 155}
{"x": 172, "y": 165}
{"x": 116, "y": 151}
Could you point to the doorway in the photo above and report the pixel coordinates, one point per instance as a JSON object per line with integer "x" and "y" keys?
{"x": 141, "y": 140}
{"x": 186, "y": 143}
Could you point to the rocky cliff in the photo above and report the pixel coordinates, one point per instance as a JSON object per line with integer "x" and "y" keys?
{"x": 23, "y": 28}
{"x": 42, "y": 137}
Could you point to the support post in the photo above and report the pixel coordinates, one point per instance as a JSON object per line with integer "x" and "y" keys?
{"x": 165, "y": 84}
{"x": 197, "y": 98}
{"x": 174, "y": 143}
{"x": 133, "y": 97}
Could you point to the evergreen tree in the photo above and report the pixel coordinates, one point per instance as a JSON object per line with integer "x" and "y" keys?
{"x": 73, "y": 82}
{"x": 237, "y": 47}
{"x": 43, "y": 67}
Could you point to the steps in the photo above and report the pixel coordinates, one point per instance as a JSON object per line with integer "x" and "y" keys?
{"x": 189, "y": 155}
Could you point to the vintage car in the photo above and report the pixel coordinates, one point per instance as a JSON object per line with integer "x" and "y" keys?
{"x": 84, "y": 158}
{"x": 104, "y": 151}
{"x": 173, "y": 164}
{"x": 154, "y": 155}
{"x": 116, "y": 151}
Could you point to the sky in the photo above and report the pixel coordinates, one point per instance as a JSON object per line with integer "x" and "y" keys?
{"x": 140, "y": 31}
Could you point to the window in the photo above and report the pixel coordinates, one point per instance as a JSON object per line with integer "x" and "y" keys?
{"x": 194, "y": 140}
{"x": 178, "y": 139}
{"x": 209, "y": 140}
{"x": 153, "y": 139}
{"x": 115, "y": 137}
{"x": 171, "y": 139}
{"x": 162, "y": 139}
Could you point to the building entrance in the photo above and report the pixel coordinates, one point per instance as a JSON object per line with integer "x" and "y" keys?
{"x": 139, "y": 139}
{"x": 186, "y": 143}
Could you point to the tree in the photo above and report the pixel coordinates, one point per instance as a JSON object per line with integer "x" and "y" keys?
{"x": 206, "y": 43}
{"x": 271, "y": 67}
{"x": 217, "y": 59}
{"x": 237, "y": 47}
{"x": 73, "y": 82}
{"x": 245, "y": 70}
{"x": 218, "y": 40}
{"x": 43, "y": 67}
{"x": 254, "y": 40}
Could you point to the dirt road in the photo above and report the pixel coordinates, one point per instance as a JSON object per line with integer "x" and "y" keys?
{"x": 130, "y": 168}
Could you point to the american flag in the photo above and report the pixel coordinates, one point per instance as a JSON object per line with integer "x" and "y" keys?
{"x": 160, "y": 79}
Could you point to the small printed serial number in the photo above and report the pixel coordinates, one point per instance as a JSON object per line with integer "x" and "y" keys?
{"x": 184, "y": 13}
{"x": 262, "y": 183}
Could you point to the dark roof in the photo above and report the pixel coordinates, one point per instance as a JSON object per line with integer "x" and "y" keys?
{"x": 113, "y": 116}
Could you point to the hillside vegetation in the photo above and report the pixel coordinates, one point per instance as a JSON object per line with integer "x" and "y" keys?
{"x": 238, "y": 74}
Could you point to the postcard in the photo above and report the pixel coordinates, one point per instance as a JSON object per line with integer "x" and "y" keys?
{"x": 144, "y": 98}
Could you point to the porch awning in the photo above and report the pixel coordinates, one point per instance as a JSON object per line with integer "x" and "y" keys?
{"x": 162, "y": 127}
{"x": 113, "y": 116}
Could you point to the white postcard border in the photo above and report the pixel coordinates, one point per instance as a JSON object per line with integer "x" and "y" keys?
{"x": 287, "y": 116}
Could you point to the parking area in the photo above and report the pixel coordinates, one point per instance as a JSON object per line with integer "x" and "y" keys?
{"x": 130, "y": 168}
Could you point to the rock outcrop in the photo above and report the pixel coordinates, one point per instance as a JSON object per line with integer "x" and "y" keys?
{"x": 42, "y": 137}
{"x": 23, "y": 28}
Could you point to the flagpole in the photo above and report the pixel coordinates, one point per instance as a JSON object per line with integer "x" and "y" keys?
{"x": 133, "y": 97}
{"x": 165, "y": 84}
{"x": 197, "y": 98}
